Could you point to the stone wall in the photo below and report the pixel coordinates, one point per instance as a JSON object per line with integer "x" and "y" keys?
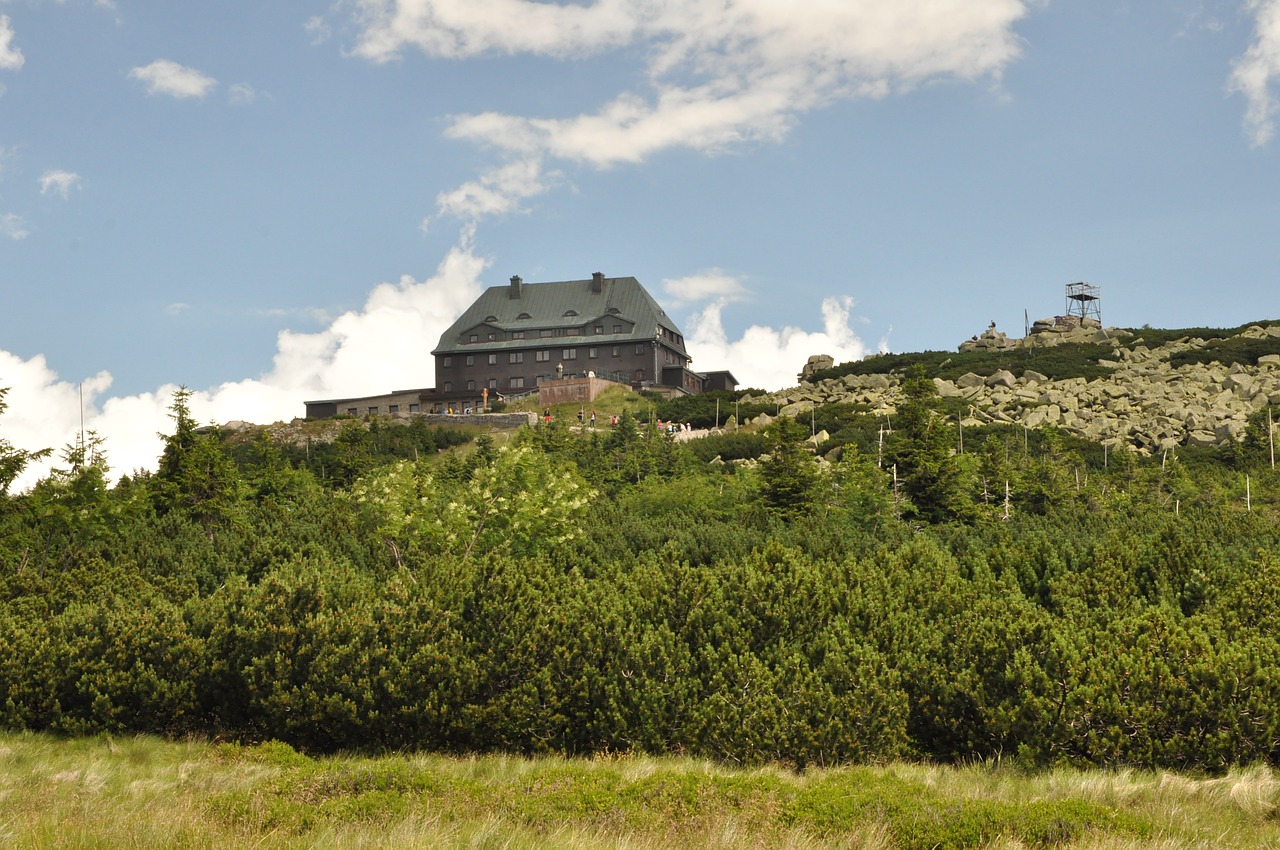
{"x": 499, "y": 421}
{"x": 572, "y": 391}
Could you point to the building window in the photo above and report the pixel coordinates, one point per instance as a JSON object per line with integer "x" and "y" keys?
{"x": 493, "y": 336}
{"x": 591, "y": 352}
{"x": 475, "y": 338}
{"x": 446, "y": 361}
{"x": 395, "y": 408}
{"x": 471, "y": 360}
{"x": 517, "y": 383}
{"x": 517, "y": 334}
{"x": 617, "y": 329}
{"x": 569, "y": 354}
{"x": 493, "y": 360}
{"x": 545, "y": 332}
{"x": 543, "y": 357}
{"x": 493, "y": 383}
{"x": 639, "y": 349}
{"x": 413, "y": 408}
{"x": 448, "y": 386}
{"x": 516, "y": 357}
{"x": 599, "y": 329}
{"x": 617, "y": 351}
{"x": 353, "y": 411}
{"x": 471, "y": 385}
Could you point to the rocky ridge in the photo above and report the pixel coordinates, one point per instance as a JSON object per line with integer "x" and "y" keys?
{"x": 1146, "y": 404}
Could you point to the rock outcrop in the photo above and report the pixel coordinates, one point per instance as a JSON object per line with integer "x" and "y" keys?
{"x": 1146, "y": 404}
{"x": 1045, "y": 333}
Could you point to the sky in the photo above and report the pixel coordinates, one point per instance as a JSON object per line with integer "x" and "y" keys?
{"x": 275, "y": 202}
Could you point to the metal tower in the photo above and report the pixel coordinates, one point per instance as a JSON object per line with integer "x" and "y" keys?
{"x": 1083, "y": 301}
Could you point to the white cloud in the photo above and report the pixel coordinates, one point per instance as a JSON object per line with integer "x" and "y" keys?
{"x": 59, "y": 182}
{"x": 14, "y": 226}
{"x": 318, "y": 28}
{"x": 499, "y": 190}
{"x": 716, "y": 72}
{"x": 165, "y": 77}
{"x": 763, "y": 357}
{"x": 769, "y": 358}
{"x": 704, "y": 286}
{"x": 1254, "y": 72}
{"x": 317, "y": 315}
{"x": 384, "y": 346}
{"x": 242, "y": 93}
{"x": 11, "y": 58}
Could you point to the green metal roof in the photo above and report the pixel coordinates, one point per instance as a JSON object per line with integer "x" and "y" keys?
{"x": 556, "y": 305}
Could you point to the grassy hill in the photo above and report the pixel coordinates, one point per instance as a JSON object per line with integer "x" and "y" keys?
{"x": 141, "y": 792}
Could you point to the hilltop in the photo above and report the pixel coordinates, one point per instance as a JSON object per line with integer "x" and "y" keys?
{"x": 1146, "y": 389}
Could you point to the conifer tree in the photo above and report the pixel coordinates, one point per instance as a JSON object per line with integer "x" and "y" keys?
{"x": 920, "y": 447}
{"x": 790, "y": 474}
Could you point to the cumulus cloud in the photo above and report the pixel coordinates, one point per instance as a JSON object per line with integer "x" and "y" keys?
{"x": 166, "y": 77}
{"x": 11, "y": 58}
{"x": 14, "y": 226}
{"x": 770, "y": 358}
{"x": 716, "y": 72}
{"x": 763, "y": 357}
{"x": 391, "y": 338}
{"x": 1255, "y": 71}
{"x": 58, "y": 182}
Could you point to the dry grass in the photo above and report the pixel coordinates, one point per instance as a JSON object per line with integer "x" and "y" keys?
{"x": 146, "y": 793}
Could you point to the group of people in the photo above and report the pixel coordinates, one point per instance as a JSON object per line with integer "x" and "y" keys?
{"x": 589, "y": 420}
{"x": 583, "y": 418}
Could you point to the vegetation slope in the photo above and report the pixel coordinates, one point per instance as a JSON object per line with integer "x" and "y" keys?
{"x": 577, "y": 592}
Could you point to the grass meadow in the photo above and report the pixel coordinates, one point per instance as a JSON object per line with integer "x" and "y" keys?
{"x": 148, "y": 793}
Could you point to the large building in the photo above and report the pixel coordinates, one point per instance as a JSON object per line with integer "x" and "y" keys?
{"x": 517, "y": 336}
{"x": 521, "y": 336}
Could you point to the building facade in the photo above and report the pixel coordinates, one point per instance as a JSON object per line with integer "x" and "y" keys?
{"x": 518, "y": 336}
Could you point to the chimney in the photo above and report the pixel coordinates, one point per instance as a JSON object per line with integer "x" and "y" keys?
{"x": 597, "y": 282}
{"x": 516, "y": 283}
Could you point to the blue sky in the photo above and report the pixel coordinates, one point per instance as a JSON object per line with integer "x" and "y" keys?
{"x": 269, "y": 202}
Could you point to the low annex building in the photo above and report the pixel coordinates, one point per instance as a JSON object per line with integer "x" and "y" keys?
{"x": 522, "y": 337}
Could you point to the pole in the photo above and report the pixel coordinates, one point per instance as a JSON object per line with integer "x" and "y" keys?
{"x": 717, "y": 414}
{"x": 1271, "y": 438}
